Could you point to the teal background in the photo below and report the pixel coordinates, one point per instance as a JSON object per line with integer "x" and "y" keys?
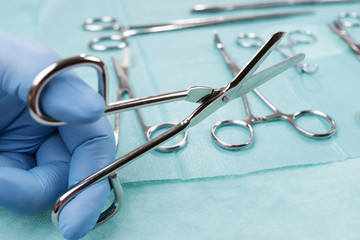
{"x": 285, "y": 186}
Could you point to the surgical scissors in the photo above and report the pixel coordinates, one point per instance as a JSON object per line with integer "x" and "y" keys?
{"x": 350, "y": 19}
{"x": 217, "y": 8}
{"x": 109, "y": 23}
{"x": 209, "y": 99}
{"x": 293, "y": 38}
{"x": 251, "y": 119}
{"x": 124, "y": 88}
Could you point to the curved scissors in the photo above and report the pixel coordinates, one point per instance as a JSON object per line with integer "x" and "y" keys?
{"x": 344, "y": 20}
{"x": 293, "y": 38}
{"x": 124, "y": 88}
{"x": 251, "y": 119}
{"x": 120, "y": 40}
{"x": 209, "y": 99}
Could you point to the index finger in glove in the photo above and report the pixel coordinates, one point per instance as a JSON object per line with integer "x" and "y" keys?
{"x": 65, "y": 98}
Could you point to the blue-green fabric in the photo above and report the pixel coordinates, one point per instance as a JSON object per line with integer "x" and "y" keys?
{"x": 176, "y": 60}
{"x": 303, "y": 203}
{"x": 317, "y": 202}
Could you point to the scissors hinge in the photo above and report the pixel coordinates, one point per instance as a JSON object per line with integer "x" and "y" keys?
{"x": 199, "y": 94}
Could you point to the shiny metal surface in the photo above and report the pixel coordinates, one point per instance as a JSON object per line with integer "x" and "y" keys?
{"x": 210, "y": 100}
{"x": 120, "y": 40}
{"x": 251, "y": 119}
{"x": 124, "y": 88}
{"x": 204, "y": 8}
{"x": 293, "y": 38}
{"x": 343, "y": 21}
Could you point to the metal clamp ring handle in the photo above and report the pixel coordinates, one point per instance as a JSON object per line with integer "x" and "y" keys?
{"x": 95, "y": 42}
{"x": 238, "y": 123}
{"x": 106, "y": 214}
{"x": 166, "y": 149}
{"x": 350, "y": 15}
{"x": 49, "y": 72}
{"x": 103, "y": 23}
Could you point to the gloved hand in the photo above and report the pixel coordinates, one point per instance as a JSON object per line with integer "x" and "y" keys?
{"x": 38, "y": 163}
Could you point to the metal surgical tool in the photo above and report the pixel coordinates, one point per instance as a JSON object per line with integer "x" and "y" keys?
{"x": 251, "y": 119}
{"x": 217, "y": 8}
{"x": 339, "y": 26}
{"x": 293, "y": 38}
{"x": 120, "y": 40}
{"x": 209, "y": 99}
{"x": 124, "y": 88}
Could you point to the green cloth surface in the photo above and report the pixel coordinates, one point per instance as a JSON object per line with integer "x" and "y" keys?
{"x": 284, "y": 186}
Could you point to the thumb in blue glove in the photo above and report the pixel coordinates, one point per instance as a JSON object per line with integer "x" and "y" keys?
{"x": 38, "y": 163}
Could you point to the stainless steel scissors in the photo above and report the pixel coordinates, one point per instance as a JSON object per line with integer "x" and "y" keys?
{"x": 350, "y": 19}
{"x": 209, "y": 99}
{"x": 124, "y": 88}
{"x": 251, "y": 119}
{"x": 217, "y": 8}
{"x": 293, "y": 38}
{"x": 120, "y": 40}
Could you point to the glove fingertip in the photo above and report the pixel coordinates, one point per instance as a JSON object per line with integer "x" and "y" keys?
{"x": 81, "y": 214}
{"x": 79, "y": 112}
{"x": 67, "y": 98}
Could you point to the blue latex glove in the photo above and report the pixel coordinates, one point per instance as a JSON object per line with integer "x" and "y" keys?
{"x": 38, "y": 163}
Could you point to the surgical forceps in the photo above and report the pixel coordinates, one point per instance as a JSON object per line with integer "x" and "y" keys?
{"x": 209, "y": 99}
{"x": 217, "y": 8}
{"x": 351, "y": 19}
{"x": 124, "y": 88}
{"x": 251, "y": 119}
{"x": 293, "y": 38}
{"x": 109, "y": 23}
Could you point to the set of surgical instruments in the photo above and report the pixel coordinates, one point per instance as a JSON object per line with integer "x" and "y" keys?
{"x": 276, "y": 116}
{"x": 121, "y": 69}
{"x": 210, "y": 100}
{"x": 120, "y": 39}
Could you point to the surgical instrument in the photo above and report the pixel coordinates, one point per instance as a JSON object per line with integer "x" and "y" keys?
{"x": 338, "y": 26}
{"x": 251, "y": 119}
{"x": 294, "y": 38}
{"x": 217, "y": 8}
{"x": 210, "y": 100}
{"x": 121, "y": 39}
{"x": 124, "y": 88}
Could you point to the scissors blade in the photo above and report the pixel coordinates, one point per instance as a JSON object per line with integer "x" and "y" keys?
{"x": 231, "y": 91}
{"x": 269, "y": 73}
{"x": 201, "y": 94}
{"x": 125, "y": 61}
{"x": 246, "y": 73}
{"x": 121, "y": 70}
{"x": 228, "y": 59}
{"x": 261, "y": 77}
